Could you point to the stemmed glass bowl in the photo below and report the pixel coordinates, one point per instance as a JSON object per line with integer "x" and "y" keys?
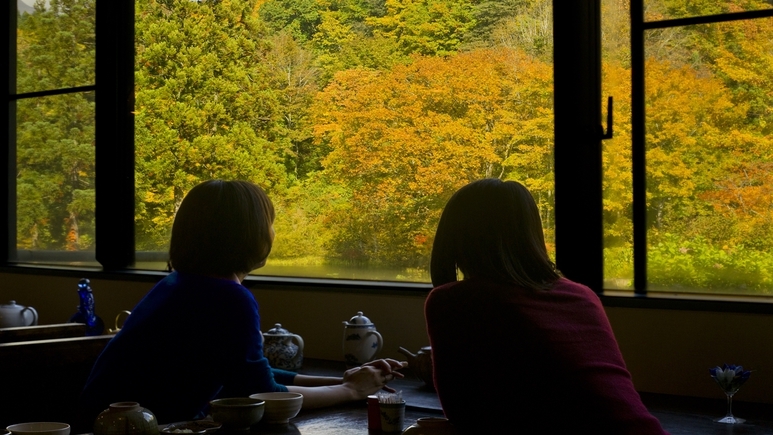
{"x": 729, "y": 377}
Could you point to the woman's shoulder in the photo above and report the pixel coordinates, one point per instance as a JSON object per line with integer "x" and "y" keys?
{"x": 470, "y": 284}
{"x": 567, "y": 285}
{"x": 191, "y": 288}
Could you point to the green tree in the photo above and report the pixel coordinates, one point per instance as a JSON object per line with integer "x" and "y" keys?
{"x": 205, "y": 107}
{"x": 300, "y": 18}
{"x": 55, "y": 135}
{"x": 428, "y": 27}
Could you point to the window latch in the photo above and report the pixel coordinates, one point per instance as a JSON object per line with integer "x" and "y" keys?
{"x": 609, "y": 132}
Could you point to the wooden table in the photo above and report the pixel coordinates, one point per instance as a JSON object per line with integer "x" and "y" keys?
{"x": 678, "y": 415}
{"x": 340, "y": 420}
{"x": 352, "y": 420}
{"x": 694, "y": 416}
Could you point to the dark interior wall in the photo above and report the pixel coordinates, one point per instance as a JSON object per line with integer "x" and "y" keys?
{"x": 667, "y": 351}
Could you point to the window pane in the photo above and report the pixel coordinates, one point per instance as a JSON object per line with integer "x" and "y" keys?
{"x": 656, "y": 10}
{"x": 616, "y": 152}
{"x": 360, "y": 119}
{"x": 710, "y": 158}
{"x": 55, "y": 179}
{"x": 55, "y": 44}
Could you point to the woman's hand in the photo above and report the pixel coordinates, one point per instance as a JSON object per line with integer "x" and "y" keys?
{"x": 372, "y": 377}
{"x": 358, "y": 383}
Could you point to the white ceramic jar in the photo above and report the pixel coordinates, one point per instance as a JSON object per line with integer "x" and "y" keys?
{"x": 361, "y": 340}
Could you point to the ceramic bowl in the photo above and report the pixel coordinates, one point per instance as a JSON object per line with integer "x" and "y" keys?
{"x": 280, "y": 407}
{"x": 237, "y": 413}
{"x": 42, "y": 428}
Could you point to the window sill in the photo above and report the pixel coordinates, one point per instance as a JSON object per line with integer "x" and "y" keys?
{"x": 610, "y": 298}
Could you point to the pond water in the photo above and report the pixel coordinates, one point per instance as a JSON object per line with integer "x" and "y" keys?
{"x": 327, "y": 271}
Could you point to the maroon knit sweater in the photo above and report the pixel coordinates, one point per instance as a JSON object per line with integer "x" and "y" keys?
{"x": 511, "y": 360}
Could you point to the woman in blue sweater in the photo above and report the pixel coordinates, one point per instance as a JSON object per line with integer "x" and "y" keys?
{"x": 196, "y": 335}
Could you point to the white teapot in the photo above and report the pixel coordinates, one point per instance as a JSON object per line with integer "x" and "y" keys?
{"x": 12, "y": 315}
{"x": 361, "y": 340}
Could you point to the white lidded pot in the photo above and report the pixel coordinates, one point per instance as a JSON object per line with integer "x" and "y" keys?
{"x": 12, "y": 315}
{"x": 361, "y": 340}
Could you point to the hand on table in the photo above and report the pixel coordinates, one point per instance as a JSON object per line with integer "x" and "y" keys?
{"x": 373, "y": 376}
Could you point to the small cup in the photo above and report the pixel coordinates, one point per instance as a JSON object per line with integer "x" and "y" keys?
{"x": 392, "y": 416}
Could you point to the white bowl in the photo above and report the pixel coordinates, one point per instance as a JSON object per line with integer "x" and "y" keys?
{"x": 280, "y": 407}
{"x": 40, "y": 428}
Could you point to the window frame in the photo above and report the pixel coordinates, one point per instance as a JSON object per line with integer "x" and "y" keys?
{"x": 578, "y": 171}
{"x": 638, "y": 121}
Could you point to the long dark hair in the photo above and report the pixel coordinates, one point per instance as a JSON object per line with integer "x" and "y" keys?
{"x": 221, "y": 228}
{"x": 492, "y": 229}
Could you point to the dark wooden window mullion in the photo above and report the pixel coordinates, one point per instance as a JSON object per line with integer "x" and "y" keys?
{"x": 705, "y": 19}
{"x": 114, "y": 135}
{"x": 638, "y": 153}
{"x": 8, "y": 151}
{"x": 577, "y": 106}
{"x": 51, "y": 92}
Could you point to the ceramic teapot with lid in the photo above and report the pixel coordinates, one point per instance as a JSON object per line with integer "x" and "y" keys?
{"x": 12, "y": 315}
{"x": 420, "y": 363}
{"x": 279, "y": 349}
{"x": 361, "y": 340}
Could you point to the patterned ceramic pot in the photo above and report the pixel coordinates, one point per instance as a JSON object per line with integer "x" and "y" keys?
{"x": 361, "y": 340}
{"x": 126, "y": 418}
{"x": 279, "y": 349}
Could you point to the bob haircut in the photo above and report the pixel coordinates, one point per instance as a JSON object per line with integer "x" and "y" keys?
{"x": 491, "y": 229}
{"x": 222, "y": 228}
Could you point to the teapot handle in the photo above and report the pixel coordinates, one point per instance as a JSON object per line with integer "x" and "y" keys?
{"x": 117, "y": 319}
{"x": 300, "y": 342}
{"x": 379, "y": 340}
{"x": 34, "y": 315}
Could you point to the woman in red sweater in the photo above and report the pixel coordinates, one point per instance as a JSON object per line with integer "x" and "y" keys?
{"x": 517, "y": 348}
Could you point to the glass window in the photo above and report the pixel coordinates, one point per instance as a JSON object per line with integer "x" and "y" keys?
{"x": 616, "y": 152}
{"x": 707, "y": 148}
{"x": 55, "y": 45}
{"x": 54, "y": 133}
{"x": 709, "y": 158}
{"x": 55, "y": 174}
{"x": 359, "y": 118}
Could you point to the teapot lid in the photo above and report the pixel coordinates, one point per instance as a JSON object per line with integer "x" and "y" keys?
{"x": 359, "y": 320}
{"x": 278, "y": 330}
{"x": 11, "y": 304}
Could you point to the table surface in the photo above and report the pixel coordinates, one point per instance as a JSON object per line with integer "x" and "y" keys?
{"x": 678, "y": 415}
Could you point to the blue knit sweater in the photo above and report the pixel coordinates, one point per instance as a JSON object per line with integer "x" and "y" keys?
{"x": 191, "y": 339}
